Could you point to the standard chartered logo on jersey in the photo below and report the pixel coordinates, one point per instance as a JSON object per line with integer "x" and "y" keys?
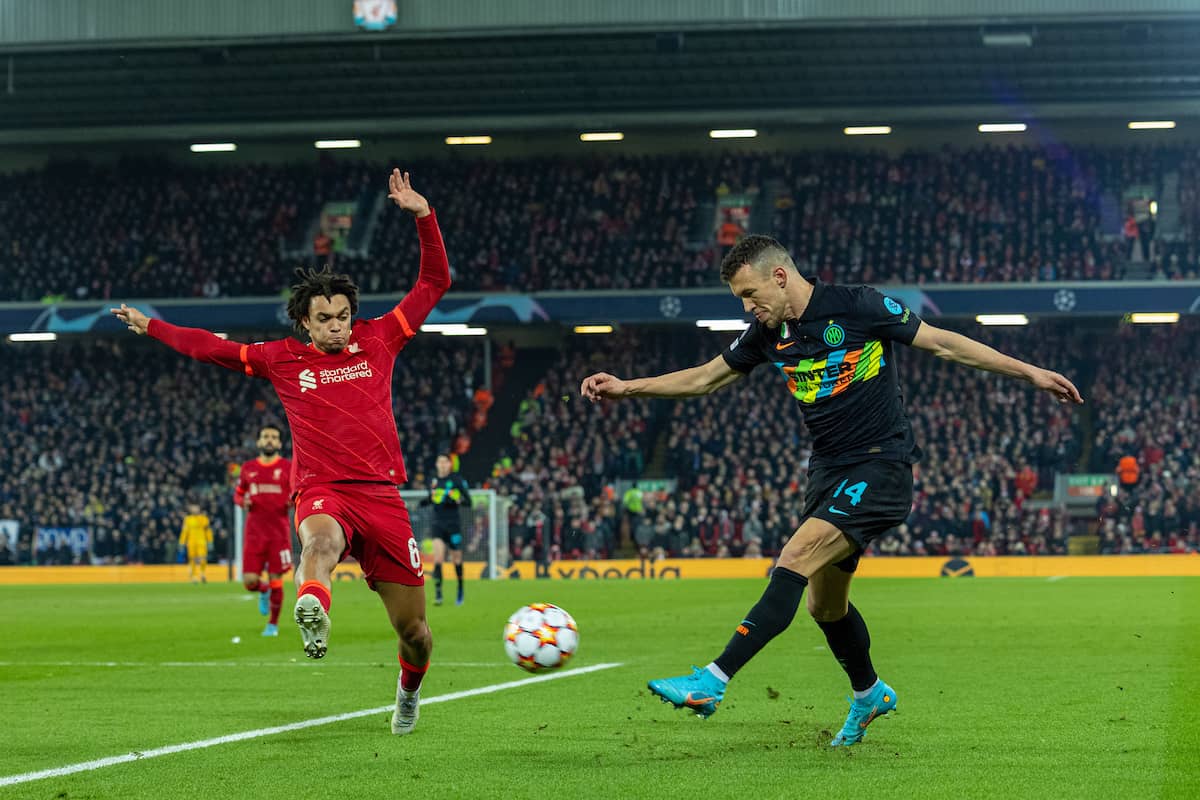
{"x": 339, "y": 375}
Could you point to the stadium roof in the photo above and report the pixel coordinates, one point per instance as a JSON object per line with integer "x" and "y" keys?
{"x": 781, "y": 74}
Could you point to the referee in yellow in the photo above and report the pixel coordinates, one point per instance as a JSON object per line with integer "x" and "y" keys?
{"x": 197, "y": 537}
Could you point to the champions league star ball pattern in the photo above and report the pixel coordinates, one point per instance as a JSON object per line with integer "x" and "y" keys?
{"x": 540, "y": 637}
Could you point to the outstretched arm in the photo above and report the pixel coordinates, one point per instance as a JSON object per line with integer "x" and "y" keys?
{"x": 692, "y": 382}
{"x": 956, "y": 347}
{"x": 192, "y": 342}
{"x": 434, "y": 278}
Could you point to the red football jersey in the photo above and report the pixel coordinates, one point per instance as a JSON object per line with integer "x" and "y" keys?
{"x": 269, "y": 487}
{"x": 339, "y": 405}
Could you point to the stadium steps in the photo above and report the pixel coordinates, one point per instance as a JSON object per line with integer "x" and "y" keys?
{"x": 1111, "y": 222}
{"x": 1087, "y": 423}
{"x": 518, "y": 383}
{"x": 656, "y": 467}
{"x": 1169, "y": 223}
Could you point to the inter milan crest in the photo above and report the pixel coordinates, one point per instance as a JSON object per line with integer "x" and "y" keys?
{"x": 375, "y": 15}
{"x": 834, "y": 335}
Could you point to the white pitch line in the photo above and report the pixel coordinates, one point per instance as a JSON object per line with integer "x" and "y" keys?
{"x": 190, "y": 664}
{"x": 100, "y": 763}
{"x": 1054, "y": 578}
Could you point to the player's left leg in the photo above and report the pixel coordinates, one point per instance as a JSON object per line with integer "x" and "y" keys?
{"x": 850, "y": 642}
{"x": 457, "y": 558}
{"x": 406, "y": 610}
{"x": 439, "y": 557}
{"x": 815, "y": 545}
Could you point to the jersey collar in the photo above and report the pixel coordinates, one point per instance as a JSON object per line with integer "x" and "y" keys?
{"x": 818, "y": 289}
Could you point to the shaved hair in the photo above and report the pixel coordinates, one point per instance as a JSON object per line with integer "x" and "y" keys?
{"x": 757, "y": 251}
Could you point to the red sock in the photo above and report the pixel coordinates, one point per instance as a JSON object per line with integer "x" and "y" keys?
{"x": 276, "y": 600}
{"x": 317, "y": 590}
{"x": 410, "y": 676}
{"x": 261, "y": 586}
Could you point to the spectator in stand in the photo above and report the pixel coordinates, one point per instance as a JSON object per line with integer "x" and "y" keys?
{"x": 1127, "y": 471}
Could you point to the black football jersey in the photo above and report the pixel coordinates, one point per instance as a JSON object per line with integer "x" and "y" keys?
{"x": 837, "y": 362}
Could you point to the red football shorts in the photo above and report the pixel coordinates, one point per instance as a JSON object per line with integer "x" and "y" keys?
{"x": 269, "y": 549}
{"x": 378, "y": 531}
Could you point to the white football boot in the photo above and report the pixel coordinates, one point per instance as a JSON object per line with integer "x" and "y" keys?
{"x": 314, "y": 625}
{"x": 408, "y": 710}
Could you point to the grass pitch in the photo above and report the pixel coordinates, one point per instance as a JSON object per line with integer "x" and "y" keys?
{"x": 1007, "y": 688}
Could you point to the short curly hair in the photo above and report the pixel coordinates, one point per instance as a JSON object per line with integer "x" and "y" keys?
{"x": 318, "y": 283}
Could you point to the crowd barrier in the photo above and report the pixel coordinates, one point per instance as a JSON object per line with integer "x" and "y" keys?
{"x": 680, "y": 568}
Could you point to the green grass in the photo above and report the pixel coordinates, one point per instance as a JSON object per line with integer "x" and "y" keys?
{"x": 1007, "y": 688}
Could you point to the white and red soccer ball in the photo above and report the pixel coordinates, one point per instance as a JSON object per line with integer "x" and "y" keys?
{"x": 540, "y": 636}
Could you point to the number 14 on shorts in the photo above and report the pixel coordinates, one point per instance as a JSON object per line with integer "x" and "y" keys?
{"x": 854, "y": 491}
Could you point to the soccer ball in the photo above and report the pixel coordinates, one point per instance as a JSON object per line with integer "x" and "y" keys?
{"x": 540, "y": 636}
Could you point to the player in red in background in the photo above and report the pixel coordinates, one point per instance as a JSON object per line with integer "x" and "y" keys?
{"x": 264, "y": 491}
{"x": 337, "y": 392}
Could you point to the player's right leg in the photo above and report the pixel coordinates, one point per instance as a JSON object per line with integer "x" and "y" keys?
{"x": 322, "y": 543}
{"x": 406, "y": 610}
{"x": 257, "y": 586}
{"x": 815, "y": 545}
{"x": 252, "y": 566}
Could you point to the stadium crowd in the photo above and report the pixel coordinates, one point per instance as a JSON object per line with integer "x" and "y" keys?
{"x": 565, "y": 453}
{"x": 116, "y": 435}
{"x": 738, "y": 458}
{"x": 1149, "y": 418}
{"x": 140, "y": 228}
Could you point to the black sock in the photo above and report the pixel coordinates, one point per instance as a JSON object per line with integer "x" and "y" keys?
{"x": 769, "y": 618}
{"x": 458, "y": 575}
{"x": 437, "y": 577}
{"x": 851, "y": 646}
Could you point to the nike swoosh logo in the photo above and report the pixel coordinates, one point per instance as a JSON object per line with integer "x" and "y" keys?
{"x": 833, "y": 510}
{"x": 783, "y": 345}
{"x": 874, "y": 713}
{"x": 692, "y": 700}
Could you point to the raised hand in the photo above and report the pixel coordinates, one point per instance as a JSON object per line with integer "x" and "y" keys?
{"x": 602, "y": 386}
{"x": 136, "y": 320}
{"x": 400, "y": 192}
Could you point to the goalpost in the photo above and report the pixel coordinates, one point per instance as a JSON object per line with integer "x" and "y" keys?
{"x": 485, "y": 529}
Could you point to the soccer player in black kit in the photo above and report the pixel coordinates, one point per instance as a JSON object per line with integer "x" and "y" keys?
{"x": 448, "y": 493}
{"x": 833, "y": 346}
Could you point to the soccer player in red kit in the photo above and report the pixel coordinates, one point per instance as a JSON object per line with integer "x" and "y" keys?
{"x": 337, "y": 392}
{"x": 264, "y": 491}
